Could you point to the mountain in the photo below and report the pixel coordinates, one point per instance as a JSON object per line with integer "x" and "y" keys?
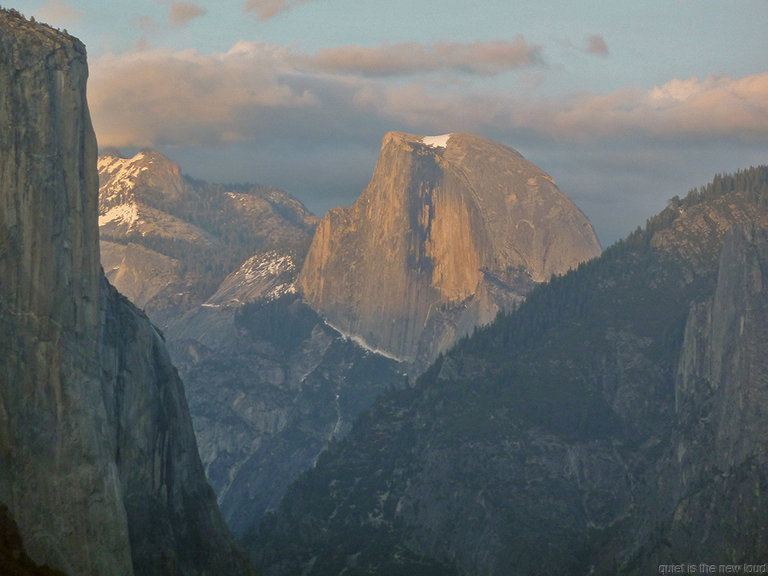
{"x": 450, "y": 230}
{"x": 214, "y": 265}
{"x": 168, "y": 241}
{"x": 269, "y": 383}
{"x": 612, "y": 424}
{"x": 99, "y": 470}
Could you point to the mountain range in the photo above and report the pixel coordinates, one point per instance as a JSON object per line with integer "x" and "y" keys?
{"x": 271, "y": 372}
{"x": 168, "y": 241}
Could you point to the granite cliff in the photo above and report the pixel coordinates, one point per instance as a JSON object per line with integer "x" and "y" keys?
{"x": 450, "y": 230}
{"x": 99, "y": 469}
{"x": 269, "y": 383}
{"x": 613, "y": 423}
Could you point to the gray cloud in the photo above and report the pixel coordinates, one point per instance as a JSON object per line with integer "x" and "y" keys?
{"x": 596, "y": 45}
{"x": 266, "y": 9}
{"x": 184, "y": 12}
{"x": 160, "y": 95}
{"x": 486, "y": 58}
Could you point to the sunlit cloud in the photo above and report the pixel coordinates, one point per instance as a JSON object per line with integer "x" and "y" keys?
{"x": 184, "y": 12}
{"x": 714, "y": 108}
{"x": 266, "y": 9}
{"x": 58, "y": 11}
{"x": 487, "y": 58}
{"x": 165, "y": 97}
{"x": 262, "y": 91}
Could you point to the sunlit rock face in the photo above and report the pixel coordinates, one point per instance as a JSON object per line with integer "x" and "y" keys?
{"x": 98, "y": 463}
{"x": 450, "y": 230}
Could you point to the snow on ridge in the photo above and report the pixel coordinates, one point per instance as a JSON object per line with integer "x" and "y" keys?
{"x": 268, "y": 264}
{"x": 120, "y": 173}
{"x": 268, "y": 275}
{"x": 436, "y": 141}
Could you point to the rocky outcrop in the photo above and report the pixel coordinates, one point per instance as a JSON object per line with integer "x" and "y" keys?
{"x": 450, "y": 230}
{"x": 721, "y": 402}
{"x": 98, "y": 463}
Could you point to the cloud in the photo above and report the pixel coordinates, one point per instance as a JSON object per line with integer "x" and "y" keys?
{"x": 596, "y": 45}
{"x": 166, "y": 97}
{"x": 716, "y": 107}
{"x": 486, "y": 58}
{"x": 266, "y": 9}
{"x": 258, "y": 91}
{"x": 58, "y": 11}
{"x": 724, "y": 108}
{"x": 184, "y": 12}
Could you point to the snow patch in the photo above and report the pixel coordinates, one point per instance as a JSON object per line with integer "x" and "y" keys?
{"x": 436, "y": 141}
{"x": 123, "y": 214}
{"x": 119, "y": 175}
{"x": 362, "y": 343}
{"x": 264, "y": 266}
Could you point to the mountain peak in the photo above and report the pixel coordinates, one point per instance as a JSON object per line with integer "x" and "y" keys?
{"x": 450, "y": 229}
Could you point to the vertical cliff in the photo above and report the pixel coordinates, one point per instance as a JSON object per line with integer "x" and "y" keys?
{"x": 98, "y": 462}
{"x": 721, "y": 400}
{"x": 450, "y": 230}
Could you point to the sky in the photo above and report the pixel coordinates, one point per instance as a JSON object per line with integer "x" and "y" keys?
{"x": 624, "y": 103}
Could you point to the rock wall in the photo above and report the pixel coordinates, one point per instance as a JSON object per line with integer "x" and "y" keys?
{"x": 721, "y": 402}
{"x": 98, "y": 462}
{"x": 444, "y": 236}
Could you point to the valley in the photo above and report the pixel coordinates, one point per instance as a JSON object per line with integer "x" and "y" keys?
{"x": 448, "y": 376}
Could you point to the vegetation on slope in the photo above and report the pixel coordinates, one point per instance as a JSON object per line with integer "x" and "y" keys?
{"x": 544, "y": 430}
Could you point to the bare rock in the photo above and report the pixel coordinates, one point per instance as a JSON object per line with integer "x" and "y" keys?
{"x": 98, "y": 462}
{"x": 450, "y": 230}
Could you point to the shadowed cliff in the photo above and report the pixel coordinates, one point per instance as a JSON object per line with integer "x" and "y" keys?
{"x": 99, "y": 467}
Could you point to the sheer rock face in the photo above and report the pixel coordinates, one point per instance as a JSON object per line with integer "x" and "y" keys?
{"x": 98, "y": 461}
{"x": 721, "y": 402}
{"x": 450, "y": 230}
